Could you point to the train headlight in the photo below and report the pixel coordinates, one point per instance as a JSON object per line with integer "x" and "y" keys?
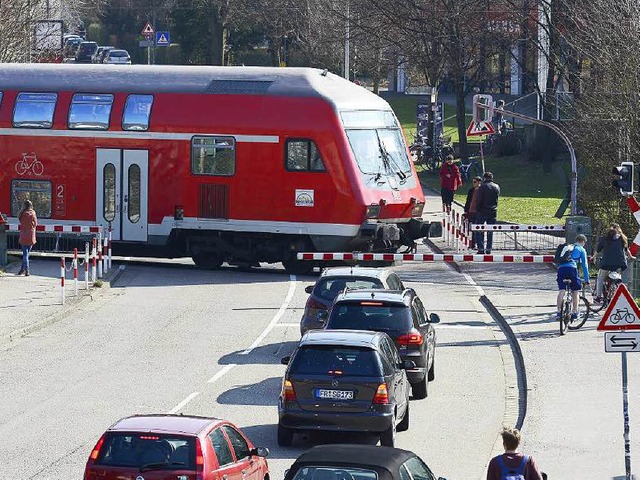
{"x": 417, "y": 209}
{"x": 373, "y": 211}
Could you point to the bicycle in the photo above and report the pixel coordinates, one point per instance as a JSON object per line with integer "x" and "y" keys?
{"x": 566, "y": 322}
{"x": 611, "y": 284}
{"x": 469, "y": 169}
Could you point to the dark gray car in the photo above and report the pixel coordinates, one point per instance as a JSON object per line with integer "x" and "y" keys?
{"x": 332, "y": 281}
{"x": 345, "y": 380}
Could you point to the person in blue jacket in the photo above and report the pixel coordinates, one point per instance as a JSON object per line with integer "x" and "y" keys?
{"x": 569, "y": 270}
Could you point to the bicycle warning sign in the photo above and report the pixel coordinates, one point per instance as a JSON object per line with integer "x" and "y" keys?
{"x": 622, "y": 313}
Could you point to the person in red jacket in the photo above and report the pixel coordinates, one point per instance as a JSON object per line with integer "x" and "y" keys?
{"x": 450, "y": 180}
{"x": 28, "y": 224}
{"x": 513, "y": 464}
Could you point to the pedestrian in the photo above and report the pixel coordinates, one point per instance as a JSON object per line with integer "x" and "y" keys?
{"x": 27, "y": 239}
{"x": 501, "y": 123}
{"x": 450, "y": 180}
{"x": 512, "y": 464}
{"x": 471, "y": 208}
{"x": 568, "y": 270}
{"x": 615, "y": 251}
{"x": 487, "y": 204}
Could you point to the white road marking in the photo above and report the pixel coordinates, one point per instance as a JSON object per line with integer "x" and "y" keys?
{"x": 222, "y": 372}
{"x": 181, "y": 405}
{"x": 278, "y": 316}
{"x": 472, "y": 282}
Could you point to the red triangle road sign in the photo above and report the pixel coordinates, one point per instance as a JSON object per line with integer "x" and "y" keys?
{"x": 622, "y": 313}
{"x": 148, "y": 29}
{"x": 479, "y": 129}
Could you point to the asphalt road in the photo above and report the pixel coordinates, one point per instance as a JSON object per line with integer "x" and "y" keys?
{"x": 166, "y": 339}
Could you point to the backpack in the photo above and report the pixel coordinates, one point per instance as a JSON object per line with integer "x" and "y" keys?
{"x": 564, "y": 254}
{"x": 512, "y": 473}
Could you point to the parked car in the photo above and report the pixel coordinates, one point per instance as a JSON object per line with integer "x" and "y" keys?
{"x": 117, "y": 57}
{"x": 402, "y": 315}
{"x": 358, "y": 462}
{"x": 103, "y": 54}
{"x": 97, "y": 57}
{"x": 85, "y": 51}
{"x": 71, "y": 45}
{"x": 344, "y": 380}
{"x": 165, "y": 447}
{"x": 334, "y": 280}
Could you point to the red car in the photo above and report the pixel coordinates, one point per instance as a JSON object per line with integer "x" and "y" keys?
{"x": 176, "y": 447}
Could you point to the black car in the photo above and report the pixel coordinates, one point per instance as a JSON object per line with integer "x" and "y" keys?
{"x": 344, "y": 381}
{"x": 358, "y": 462}
{"x": 85, "y": 52}
{"x": 400, "y": 314}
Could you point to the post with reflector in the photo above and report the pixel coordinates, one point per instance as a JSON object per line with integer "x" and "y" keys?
{"x": 624, "y": 182}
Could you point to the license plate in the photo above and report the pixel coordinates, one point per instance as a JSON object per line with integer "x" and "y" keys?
{"x": 334, "y": 394}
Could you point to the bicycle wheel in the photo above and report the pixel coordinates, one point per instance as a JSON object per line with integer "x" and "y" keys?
{"x": 565, "y": 313}
{"x": 416, "y": 154}
{"x": 583, "y": 314}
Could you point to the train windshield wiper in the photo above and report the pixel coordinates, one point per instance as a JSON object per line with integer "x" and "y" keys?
{"x": 388, "y": 161}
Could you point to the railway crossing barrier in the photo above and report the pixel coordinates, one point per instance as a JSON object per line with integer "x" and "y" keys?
{"x": 423, "y": 257}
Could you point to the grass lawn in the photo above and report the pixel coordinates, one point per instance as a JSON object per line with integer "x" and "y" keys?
{"x": 527, "y": 195}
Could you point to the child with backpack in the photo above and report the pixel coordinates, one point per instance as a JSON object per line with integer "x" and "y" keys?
{"x": 512, "y": 465}
{"x": 566, "y": 257}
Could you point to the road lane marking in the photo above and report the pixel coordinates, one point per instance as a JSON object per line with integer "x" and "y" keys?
{"x": 276, "y": 318}
{"x": 222, "y": 372}
{"x": 181, "y": 405}
{"x": 473, "y": 283}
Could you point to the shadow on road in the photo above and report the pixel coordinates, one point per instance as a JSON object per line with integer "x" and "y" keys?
{"x": 262, "y": 355}
{"x": 263, "y": 393}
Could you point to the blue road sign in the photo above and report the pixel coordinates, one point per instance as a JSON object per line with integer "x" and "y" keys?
{"x": 163, "y": 39}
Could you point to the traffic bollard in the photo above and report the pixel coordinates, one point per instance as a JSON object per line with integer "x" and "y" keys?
{"x": 93, "y": 261}
{"x": 62, "y": 271}
{"x": 109, "y": 251}
{"x": 75, "y": 272}
{"x": 99, "y": 254}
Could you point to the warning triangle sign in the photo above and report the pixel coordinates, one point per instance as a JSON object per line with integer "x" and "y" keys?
{"x": 148, "y": 29}
{"x": 622, "y": 313}
{"x": 479, "y": 129}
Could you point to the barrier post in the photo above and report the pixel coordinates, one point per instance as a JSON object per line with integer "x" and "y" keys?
{"x": 3, "y": 241}
{"x": 93, "y": 260}
{"x": 105, "y": 264}
{"x": 62, "y": 272}
{"x": 86, "y": 266}
{"x": 99, "y": 254}
{"x": 458, "y": 231}
{"x": 75, "y": 272}
{"x": 110, "y": 258}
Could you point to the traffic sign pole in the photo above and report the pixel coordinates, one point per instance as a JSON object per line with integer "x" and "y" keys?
{"x": 625, "y": 413}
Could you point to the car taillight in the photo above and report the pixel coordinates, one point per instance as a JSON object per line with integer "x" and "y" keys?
{"x": 410, "y": 339}
{"x": 288, "y": 394}
{"x": 199, "y": 460}
{"x": 382, "y": 395}
{"x": 96, "y": 450}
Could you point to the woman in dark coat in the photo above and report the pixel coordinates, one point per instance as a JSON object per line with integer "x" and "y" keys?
{"x": 470, "y": 207}
{"x": 28, "y": 224}
{"x": 615, "y": 250}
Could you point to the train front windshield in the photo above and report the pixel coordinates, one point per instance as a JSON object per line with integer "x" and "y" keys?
{"x": 378, "y": 147}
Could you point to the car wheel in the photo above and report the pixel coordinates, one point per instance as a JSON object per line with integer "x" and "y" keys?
{"x": 403, "y": 426}
{"x": 420, "y": 390}
{"x": 388, "y": 437}
{"x": 431, "y": 376}
{"x": 285, "y": 436}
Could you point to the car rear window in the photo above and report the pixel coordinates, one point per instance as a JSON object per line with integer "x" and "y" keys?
{"x": 336, "y": 360}
{"x": 366, "y": 316}
{"x": 150, "y": 450}
{"x": 335, "y": 473}
{"x": 119, "y": 53}
{"x": 328, "y": 288}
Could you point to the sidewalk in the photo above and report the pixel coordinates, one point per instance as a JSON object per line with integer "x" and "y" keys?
{"x": 29, "y": 303}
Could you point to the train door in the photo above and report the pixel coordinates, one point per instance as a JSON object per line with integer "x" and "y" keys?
{"x": 122, "y": 192}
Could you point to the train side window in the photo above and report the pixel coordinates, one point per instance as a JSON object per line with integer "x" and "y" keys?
{"x": 213, "y": 156}
{"x": 137, "y": 111}
{"x": 34, "y": 110}
{"x": 90, "y": 111}
{"x": 303, "y": 156}
{"x": 38, "y": 191}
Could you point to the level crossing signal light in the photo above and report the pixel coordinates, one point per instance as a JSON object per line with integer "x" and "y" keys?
{"x": 482, "y": 108}
{"x": 624, "y": 182}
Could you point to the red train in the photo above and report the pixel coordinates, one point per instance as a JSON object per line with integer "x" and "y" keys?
{"x": 235, "y": 164}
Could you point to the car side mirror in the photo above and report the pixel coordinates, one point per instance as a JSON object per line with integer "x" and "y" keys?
{"x": 260, "y": 452}
{"x": 322, "y": 316}
{"x": 434, "y": 318}
{"x": 408, "y": 364}
{"x": 308, "y": 288}
{"x": 285, "y": 360}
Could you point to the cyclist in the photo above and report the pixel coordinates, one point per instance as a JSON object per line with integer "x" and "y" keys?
{"x": 569, "y": 271}
{"x": 615, "y": 250}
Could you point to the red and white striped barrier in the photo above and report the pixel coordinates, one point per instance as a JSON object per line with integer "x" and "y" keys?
{"x": 59, "y": 228}
{"x": 427, "y": 257}
{"x": 507, "y": 227}
{"x": 634, "y": 206}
